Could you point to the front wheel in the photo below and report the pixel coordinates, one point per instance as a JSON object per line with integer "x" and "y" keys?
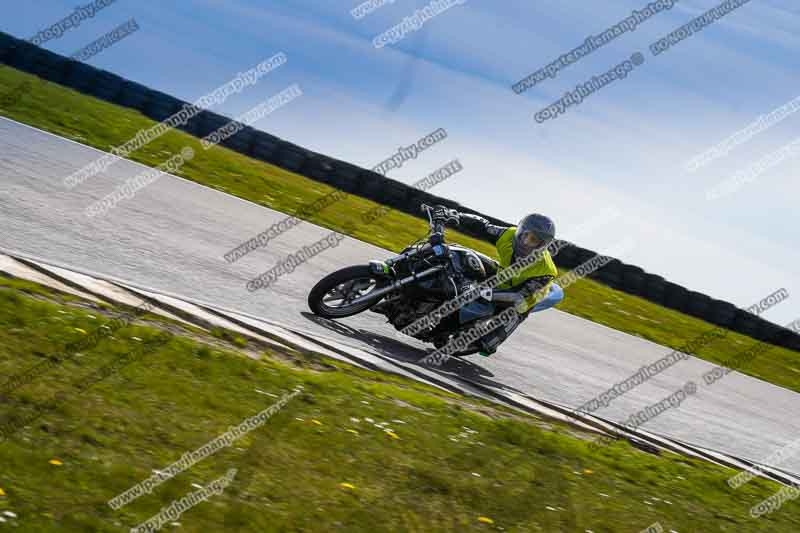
{"x": 331, "y": 297}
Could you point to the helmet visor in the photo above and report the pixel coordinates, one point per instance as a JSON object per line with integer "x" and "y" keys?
{"x": 527, "y": 242}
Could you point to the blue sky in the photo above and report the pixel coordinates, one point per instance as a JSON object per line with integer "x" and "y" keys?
{"x": 624, "y": 147}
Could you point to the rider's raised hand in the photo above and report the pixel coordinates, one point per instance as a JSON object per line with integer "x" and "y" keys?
{"x": 440, "y": 212}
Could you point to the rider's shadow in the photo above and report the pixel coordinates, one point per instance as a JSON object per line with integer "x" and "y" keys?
{"x": 390, "y": 348}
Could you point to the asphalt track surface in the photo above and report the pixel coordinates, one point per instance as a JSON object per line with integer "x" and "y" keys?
{"x": 172, "y": 235}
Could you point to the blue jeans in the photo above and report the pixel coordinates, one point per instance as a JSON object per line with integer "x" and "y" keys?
{"x": 479, "y": 309}
{"x": 555, "y": 295}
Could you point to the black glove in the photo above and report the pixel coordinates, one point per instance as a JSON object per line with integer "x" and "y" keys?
{"x": 444, "y": 214}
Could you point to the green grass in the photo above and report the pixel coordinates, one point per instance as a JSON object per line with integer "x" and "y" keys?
{"x": 70, "y": 114}
{"x": 532, "y": 474}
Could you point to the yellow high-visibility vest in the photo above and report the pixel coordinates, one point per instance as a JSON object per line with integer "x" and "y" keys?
{"x": 543, "y": 267}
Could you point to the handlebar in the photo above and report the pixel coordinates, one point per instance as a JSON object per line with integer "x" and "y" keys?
{"x": 438, "y": 224}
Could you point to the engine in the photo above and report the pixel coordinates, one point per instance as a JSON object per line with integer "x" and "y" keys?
{"x": 403, "y": 311}
{"x": 420, "y": 298}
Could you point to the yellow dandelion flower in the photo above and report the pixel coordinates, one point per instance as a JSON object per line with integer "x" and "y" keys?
{"x": 347, "y": 486}
{"x": 485, "y": 520}
{"x": 55, "y": 462}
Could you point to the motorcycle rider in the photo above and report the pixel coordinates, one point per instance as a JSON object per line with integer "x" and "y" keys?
{"x": 533, "y": 233}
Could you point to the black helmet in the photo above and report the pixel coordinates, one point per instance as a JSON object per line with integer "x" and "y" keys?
{"x": 533, "y": 232}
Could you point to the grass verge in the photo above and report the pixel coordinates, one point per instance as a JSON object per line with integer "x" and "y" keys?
{"x": 356, "y": 451}
{"x": 76, "y": 116}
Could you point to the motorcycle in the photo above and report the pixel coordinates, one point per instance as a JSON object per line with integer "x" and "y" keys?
{"x": 411, "y": 285}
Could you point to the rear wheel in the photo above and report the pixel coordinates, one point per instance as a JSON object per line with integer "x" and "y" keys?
{"x": 331, "y": 297}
